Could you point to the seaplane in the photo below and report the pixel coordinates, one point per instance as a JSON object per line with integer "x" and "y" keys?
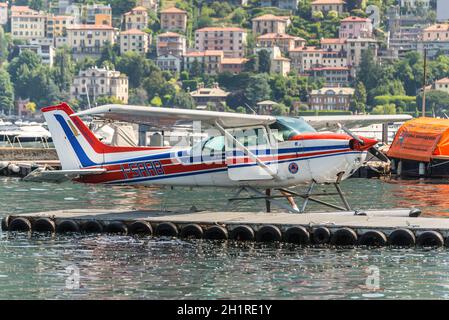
{"x": 265, "y": 156}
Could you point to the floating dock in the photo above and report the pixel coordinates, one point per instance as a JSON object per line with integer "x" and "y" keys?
{"x": 398, "y": 227}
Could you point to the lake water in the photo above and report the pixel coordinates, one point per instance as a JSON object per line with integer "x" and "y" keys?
{"x": 125, "y": 267}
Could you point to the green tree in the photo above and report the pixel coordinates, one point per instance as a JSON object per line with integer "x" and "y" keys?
{"x": 108, "y": 53}
{"x": 6, "y": 91}
{"x": 119, "y": 7}
{"x": 4, "y": 46}
{"x": 196, "y": 69}
{"x": 264, "y": 61}
{"x": 385, "y": 109}
{"x": 136, "y": 67}
{"x": 258, "y": 89}
{"x": 63, "y": 69}
{"x": 156, "y": 101}
{"x": 26, "y": 58}
{"x": 183, "y": 100}
{"x": 358, "y": 103}
{"x": 436, "y": 101}
{"x": 138, "y": 96}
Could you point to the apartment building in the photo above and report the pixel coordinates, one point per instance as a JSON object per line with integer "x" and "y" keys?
{"x": 43, "y": 49}
{"x": 230, "y": 40}
{"x": 27, "y": 24}
{"x": 328, "y": 5}
{"x": 3, "y": 13}
{"x": 284, "y": 41}
{"x": 329, "y": 98}
{"x": 356, "y": 47}
{"x": 233, "y": 65}
{"x": 332, "y": 76}
{"x": 269, "y": 23}
{"x": 173, "y": 19}
{"x": 134, "y": 40}
{"x": 89, "y": 39}
{"x": 97, "y": 14}
{"x": 171, "y": 43}
{"x": 137, "y": 18}
{"x": 356, "y": 27}
{"x": 169, "y": 62}
{"x": 442, "y": 85}
{"x": 57, "y": 25}
{"x": 333, "y": 44}
{"x": 100, "y": 82}
{"x": 305, "y": 58}
{"x": 436, "y": 32}
{"x": 210, "y": 60}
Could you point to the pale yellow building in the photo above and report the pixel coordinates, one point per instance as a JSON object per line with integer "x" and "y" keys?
{"x": 27, "y": 24}
{"x": 134, "y": 40}
{"x": 442, "y": 85}
{"x": 284, "y": 41}
{"x": 436, "y": 32}
{"x": 99, "y": 82}
{"x": 328, "y": 5}
{"x": 137, "y": 18}
{"x": 57, "y": 25}
{"x": 89, "y": 39}
{"x": 3, "y": 13}
{"x": 174, "y": 19}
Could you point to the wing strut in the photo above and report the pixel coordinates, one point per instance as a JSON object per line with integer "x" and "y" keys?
{"x": 247, "y": 152}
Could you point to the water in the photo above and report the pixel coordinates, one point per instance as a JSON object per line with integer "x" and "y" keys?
{"x": 124, "y": 267}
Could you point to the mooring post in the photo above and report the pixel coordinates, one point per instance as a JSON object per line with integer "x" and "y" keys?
{"x": 422, "y": 169}
{"x": 399, "y": 171}
{"x": 385, "y": 133}
{"x": 143, "y": 135}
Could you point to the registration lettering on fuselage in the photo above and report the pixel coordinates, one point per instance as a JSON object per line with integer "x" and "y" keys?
{"x": 142, "y": 169}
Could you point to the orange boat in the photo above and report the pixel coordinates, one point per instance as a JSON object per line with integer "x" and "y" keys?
{"x": 421, "y": 148}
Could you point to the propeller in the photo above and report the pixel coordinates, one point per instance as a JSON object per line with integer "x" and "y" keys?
{"x": 373, "y": 150}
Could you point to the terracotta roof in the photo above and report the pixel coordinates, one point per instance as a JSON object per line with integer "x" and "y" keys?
{"x": 133, "y": 31}
{"x": 271, "y": 17}
{"x": 438, "y": 27}
{"x": 21, "y": 8}
{"x": 307, "y": 49}
{"x": 136, "y": 9}
{"x": 278, "y": 36}
{"x": 224, "y": 29}
{"x": 444, "y": 80}
{"x": 173, "y": 10}
{"x": 209, "y": 92}
{"x": 169, "y": 34}
{"x": 336, "y": 90}
{"x": 3, "y": 4}
{"x": 204, "y": 53}
{"x": 90, "y": 27}
{"x": 328, "y": 2}
{"x": 234, "y": 60}
{"x": 332, "y": 41}
{"x": 356, "y": 19}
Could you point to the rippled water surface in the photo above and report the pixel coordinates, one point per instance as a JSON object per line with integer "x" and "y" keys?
{"x": 124, "y": 267}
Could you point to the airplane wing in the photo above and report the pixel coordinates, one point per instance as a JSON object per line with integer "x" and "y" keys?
{"x": 58, "y": 176}
{"x": 167, "y": 117}
{"x": 321, "y": 123}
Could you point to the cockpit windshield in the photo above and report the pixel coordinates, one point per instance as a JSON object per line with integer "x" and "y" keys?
{"x": 286, "y": 128}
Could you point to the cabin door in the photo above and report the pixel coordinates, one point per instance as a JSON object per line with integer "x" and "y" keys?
{"x": 241, "y": 153}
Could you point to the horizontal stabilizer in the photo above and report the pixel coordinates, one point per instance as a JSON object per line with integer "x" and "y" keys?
{"x": 59, "y": 176}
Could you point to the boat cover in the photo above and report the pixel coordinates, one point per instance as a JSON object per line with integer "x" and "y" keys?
{"x": 421, "y": 139}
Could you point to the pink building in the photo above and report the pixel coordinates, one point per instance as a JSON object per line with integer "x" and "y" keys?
{"x": 171, "y": 43}
{"x": 174, "y": 19}
{"x": 356, "y": 27}
{"x": 230, "y": 40}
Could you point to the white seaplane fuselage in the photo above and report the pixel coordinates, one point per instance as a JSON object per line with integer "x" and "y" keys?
{"x": 285, "y": 153}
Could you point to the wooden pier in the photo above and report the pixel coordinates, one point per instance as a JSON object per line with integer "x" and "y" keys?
{"x": 396, "y": 227}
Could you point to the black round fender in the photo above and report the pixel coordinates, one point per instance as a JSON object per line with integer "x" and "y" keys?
{"x": 216, "y": 233}
{"x": 20, "y": 224}
{"x": 140, "y": 227}
{"x": 242, "y": 233}
{"x": 269, "y": 233}
{"x": 430, "y": 239}
{"x": 321, "y": 235}
{"x": 373, "y": 238}
{"x": 192, "y": 231}
{"x": 402, "y": 238}
{"x": 5, "y": 223}
{"x": 116, "y": 227}
{"x": 344, "y": 237}
{"x": 92, "y": 226}
{"x": 67, "y": 226}
{"x": 298, "y": 235}
{"x": 44, "y": 225}
{"x": 166, "y": 229}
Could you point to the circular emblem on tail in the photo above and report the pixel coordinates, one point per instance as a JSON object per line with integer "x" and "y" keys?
{"x": 293, "y": 168}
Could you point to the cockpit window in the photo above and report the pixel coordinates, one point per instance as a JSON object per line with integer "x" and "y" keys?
{"x": 286, "y": 128}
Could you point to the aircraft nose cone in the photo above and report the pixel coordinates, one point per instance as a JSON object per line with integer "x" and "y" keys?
{"x": 367, "y": 143}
